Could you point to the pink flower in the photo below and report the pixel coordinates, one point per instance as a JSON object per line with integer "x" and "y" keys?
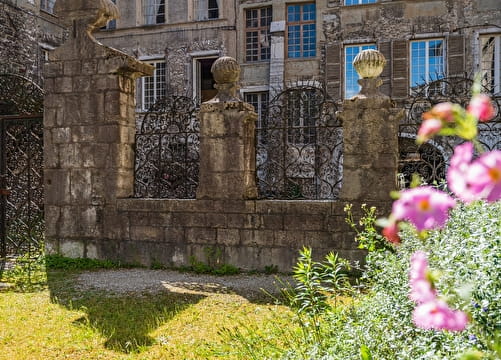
{"x": 443, "y": 111}
{"x": 419, "y": 266}
{"x": 458, "y": 170}
{"x": 481, "y": 107}
{"x": 424, "y": 206}
{"x": 437, "y": 315}
{"x": 484, "y": 176}
{"x": 480, "y": 179}
{"x": 391, "y": 233}
{"x": 428, "y": 128}
{"x": 422, "y": 289}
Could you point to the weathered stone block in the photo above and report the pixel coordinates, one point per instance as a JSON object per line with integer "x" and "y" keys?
{"x": 304, "y": 222}
{"x": 146, "y": 233}
{"x": 227, "y": 237}
{"x": 200, "y": 235}
{"x": 72, "y": 249}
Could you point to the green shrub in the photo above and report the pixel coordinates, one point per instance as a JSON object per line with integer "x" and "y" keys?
{"x": 467, "y": 254}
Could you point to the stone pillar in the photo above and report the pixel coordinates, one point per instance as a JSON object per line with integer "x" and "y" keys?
{"x": 370, "y": 135}
{"x": 227, "y": 139}
{"x": 89, "y": 128}
{"x": 277, "y": 60}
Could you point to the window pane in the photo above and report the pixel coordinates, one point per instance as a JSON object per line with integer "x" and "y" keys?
{"x": 427, "y": 61}
{"x": 154, "y": 87}
{"x": 301, "y": 30}
{"x": 490, "y": 63}
{"x": 257, "y": 36}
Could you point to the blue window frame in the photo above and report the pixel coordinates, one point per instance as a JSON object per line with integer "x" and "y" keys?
{"x": 427, "y": 61}
{"x": 359, "y": 2}
{"x": 351, "y": 87}
{"x": 301, "y": 31}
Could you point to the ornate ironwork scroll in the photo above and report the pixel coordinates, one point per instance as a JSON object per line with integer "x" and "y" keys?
{"x": 21, "y": 167}
{"x": 21, "y": 148}
{"x": 167, "y": 150}
{"x": 19, "y": 95}
{"x": 430, "y": 160}
{"x": 299, "y": 151}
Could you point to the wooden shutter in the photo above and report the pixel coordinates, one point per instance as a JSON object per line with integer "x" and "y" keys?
{"x": 333, "y": 70}
{"x": 455, "y": 55}
{"x": 385, "y": 48}
{"x": 399, "y": 69}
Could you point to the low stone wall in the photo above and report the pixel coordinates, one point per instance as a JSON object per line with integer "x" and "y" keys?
{"x": 249, "y": 234}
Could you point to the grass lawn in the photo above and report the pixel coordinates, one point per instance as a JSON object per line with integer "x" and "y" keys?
{"x": 60, "y": 321}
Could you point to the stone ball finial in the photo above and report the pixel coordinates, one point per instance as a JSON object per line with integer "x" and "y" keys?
{"x": 369, "y": 63}
{"x": 225, "y": 70}
{"x": 91, "y": 13}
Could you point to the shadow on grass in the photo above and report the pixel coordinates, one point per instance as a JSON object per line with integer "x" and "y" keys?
{"x": 124, "y": 319}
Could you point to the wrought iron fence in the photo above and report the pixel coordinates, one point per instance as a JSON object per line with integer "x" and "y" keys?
{"x": 431, "y": 159}
{"x": 21, "y": 168}
{"x": 299, "y": 146}
{"x": 167, "y": 150}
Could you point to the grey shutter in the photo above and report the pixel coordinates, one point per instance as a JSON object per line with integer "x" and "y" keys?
{"x": 399, "y": 69}
{"x": 333, "y": 70}
{"x": 455, "y": 55}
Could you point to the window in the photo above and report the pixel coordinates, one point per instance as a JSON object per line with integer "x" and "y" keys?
{"x": 154, "y": 12}
{"x": 257, "y": 34}
{"x": 153, "y": 87}
{"x": 302, "y": 110}
{"x": 47, "y": 5}
{"x": 260, "y": 102}
{"x": 490, "y": 63}
{"x": 301, "y": 31}
{"x": 203, "y": 80}
{"x": 351, "y": 87}
{"x": 112, "y": 24}
{"x": 359, "y": 2}
{"x": 207, "y": 9}
{"x": 427, "y": 61}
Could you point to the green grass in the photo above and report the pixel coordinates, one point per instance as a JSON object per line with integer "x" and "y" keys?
{"x": 46, "y": 316}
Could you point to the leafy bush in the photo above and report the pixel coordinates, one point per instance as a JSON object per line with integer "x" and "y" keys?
{"x": 377, "y": 322}
{"x": 467, "y": 254}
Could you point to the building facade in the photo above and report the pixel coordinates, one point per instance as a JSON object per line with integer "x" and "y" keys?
{"x": 29, "y": 30}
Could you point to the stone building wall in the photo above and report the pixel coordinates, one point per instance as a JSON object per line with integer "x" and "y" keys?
{"x": 391, "y": 24}
{"x": 24, "y": 32}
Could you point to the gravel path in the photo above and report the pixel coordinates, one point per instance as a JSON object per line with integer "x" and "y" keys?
{"x": 125, "y": 281}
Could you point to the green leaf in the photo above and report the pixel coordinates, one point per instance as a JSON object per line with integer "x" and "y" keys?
{"x": 365, "y": 353}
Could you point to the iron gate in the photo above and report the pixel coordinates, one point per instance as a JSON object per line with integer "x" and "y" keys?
{"x": 300, "y": 146}
{"x": 167, "y": 150}
{"x": 21, "y": 168}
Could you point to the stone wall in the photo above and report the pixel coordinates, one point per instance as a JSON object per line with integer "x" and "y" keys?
{"x": 23, "y": 33}
{"x": 89, "y": 157}
{"x": 250, "y": 234}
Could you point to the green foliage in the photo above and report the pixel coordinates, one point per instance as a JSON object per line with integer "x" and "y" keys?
{"x": 201, "y": 267}
{"x": 377, "y": 323}
{"x": 271, "y": 269}
{"x": 467, "y": 254}
{"x": 26, "y": 274}
{"x": 367, "y": 235}
{"x": 63, "y": 263}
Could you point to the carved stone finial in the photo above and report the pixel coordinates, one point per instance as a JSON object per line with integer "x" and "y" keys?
{"x": 226, "y": 72}
{"x": 369, "y": 64}
{"x": 90, "y": 14}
